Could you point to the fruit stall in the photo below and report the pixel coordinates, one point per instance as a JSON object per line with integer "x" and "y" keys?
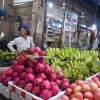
{"x": 54, "y": 74}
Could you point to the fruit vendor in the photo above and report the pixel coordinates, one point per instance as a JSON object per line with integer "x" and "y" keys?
{"x": 23, "y": 41}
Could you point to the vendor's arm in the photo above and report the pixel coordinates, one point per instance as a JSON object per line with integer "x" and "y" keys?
{"x": 11, "y": 44}
{"x": 32, "y": 43}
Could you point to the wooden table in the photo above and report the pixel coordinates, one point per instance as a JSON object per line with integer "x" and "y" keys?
{"x": 3, "y": 69}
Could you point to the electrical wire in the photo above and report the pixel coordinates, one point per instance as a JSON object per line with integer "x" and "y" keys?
{"x": 87, "y": 5}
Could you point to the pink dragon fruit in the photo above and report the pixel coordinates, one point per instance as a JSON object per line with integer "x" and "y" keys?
{"x": 52, "y": 77}
{"x": 39, "y": 67}
{"x": 23, "y": 75}
{"x": 45, "y": 84}
{"x": 30, "y": 64}
{"x": 30, "y": 77}
{"x": 41, "y": 60}
{"x": 27, "y": 59}
{"x": 48, "y": 69}
{"x": 36, "y": 91}
{"x": 0, "y": 78}
{"x": 3, "y": 77}
{"x": 20, "y": 69}
{"x": 34, "y": 61}
{"x": 52, "y": 83}
{"x": 4, "y": 73}
{"x": 15, "y": 68}
{"x": 28, "y": 87}
{"x": 37, "y": 49}
{"x": 64, "y": 85}
{"x": 41, "y": 75}
{"x": 16, "y": 81}
{"x": 28, "y": 51}
{"x": 22, "y": 84}
{"x": 42, "y": 53}
{"x": 15, "y": 74}
{"x": 58, "y": 82}
{"x": 15, "y": 63}
{"x": 54, "y": 89}
{"x": 5, "y": 82}
{"x": 30, "y": 70}
{"x": 21, "y": 60}
{"x": 10, "y": 72}
{"x": 37, "y": 81}
{"x": 35, "y": 54}
{"x": 65, "y": 80}
{"x": 60, "y": 75}
{"x": 45, "y": 94}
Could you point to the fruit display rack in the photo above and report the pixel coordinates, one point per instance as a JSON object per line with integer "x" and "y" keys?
{"x": 53, "y": 31}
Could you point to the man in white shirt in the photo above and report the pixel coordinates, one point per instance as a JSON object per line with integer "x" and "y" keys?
{"x": 22, "y": 42}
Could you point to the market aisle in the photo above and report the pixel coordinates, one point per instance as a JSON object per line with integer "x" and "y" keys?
{"x": 3, "y": 98}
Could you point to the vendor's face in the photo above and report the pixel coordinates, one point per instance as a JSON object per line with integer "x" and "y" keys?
{"x": 23, "y": 31}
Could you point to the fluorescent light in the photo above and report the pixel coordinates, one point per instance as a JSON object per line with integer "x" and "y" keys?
{"x": 50, "y": 4}
{"x": 94, "y": 27}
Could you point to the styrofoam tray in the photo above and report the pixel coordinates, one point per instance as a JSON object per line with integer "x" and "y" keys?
{"x": 29, "y": 96}
{"x": 89, "y": 78}
{"x": 1, "y": 85}
{"x": 6, "y": 92}
{"x": 15, "y": 96}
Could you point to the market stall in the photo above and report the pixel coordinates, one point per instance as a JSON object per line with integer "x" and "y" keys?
{"x": 53, "y": 71}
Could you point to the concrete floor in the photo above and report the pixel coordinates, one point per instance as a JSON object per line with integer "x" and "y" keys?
{"x": 3, "y": 98}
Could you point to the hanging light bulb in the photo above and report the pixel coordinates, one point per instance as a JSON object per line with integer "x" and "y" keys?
{"x": 64, "y": 4}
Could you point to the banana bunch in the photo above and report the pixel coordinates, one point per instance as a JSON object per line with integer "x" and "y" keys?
{"x": 75, "y": 64}
{"x": 52, "y": 51}
{"x": 56, "y": 68}
{"x": 75, "y": 70}
{"x": 94, "y": 68}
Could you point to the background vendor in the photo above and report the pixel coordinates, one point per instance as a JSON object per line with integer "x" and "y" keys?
{"x": 23, "y": 41}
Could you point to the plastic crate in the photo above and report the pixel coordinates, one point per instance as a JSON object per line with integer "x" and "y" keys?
{"x": 28, "y": 96}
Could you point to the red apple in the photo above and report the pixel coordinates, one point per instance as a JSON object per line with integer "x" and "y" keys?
{"x": 68, "y": 92}
{"x": 86, "y": 88}
{"x": 93, "y": 85}
{"x": 77, "y": 89}
{"x": 72, "y": 86}
{"x": 96, "y": 96}
{"x": 98, "y": 83}
{"x": 94, "y": 89}
{"x": 95, "y": 79}
{"x": 64, "y": 97}
{"x": 88, "y": 95}
{"x": 85, "y": 99}
{"x": 74, "y": 98}
{"x": 78, "y": 95}
{"x": 79, "y": 82}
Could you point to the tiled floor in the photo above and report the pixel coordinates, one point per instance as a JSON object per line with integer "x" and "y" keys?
{"x": 3, "y": 98}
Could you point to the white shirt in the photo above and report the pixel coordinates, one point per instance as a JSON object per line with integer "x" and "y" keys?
{"x": 21, "y": 43}
{"x": 95, "y": 44}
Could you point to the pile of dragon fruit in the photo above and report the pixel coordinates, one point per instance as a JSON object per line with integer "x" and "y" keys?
{"x": 35, "y": 76}
{"x": 35, "y": 51}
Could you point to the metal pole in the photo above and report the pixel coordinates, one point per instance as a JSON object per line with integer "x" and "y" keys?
{"x": 44, "y": 24}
